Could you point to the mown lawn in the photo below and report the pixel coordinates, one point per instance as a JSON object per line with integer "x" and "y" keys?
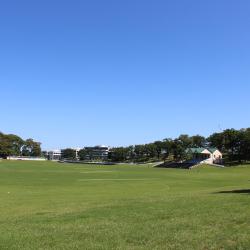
{"x": 47, "y": 205}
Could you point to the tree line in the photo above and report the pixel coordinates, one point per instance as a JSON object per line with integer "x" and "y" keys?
{"x": 234, "y": 144}
{"x": 167, "y": 149}
{"x": 13, "y": 145}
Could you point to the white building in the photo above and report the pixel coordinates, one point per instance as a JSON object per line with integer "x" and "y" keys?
{"x": 205, "y": 155}
{"x": 54, "y": 155}
{"x": 99, "y": 152}
{"x": 77, "y": 151}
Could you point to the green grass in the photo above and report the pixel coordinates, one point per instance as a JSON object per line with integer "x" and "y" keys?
{"x": 46, "y": 205}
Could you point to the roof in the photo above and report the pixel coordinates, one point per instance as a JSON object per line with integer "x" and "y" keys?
{"x": 212, "y": 150}
{"x": 200, "y": 150}
{"x": 196, "y": 150}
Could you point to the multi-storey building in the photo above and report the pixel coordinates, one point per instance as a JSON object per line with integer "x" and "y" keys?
{"x": 99, "y": 152}
{"x": 54, "y": 155}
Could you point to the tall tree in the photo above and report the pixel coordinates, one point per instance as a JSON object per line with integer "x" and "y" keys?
{"x": 217, "y": 140}
{"x": 83, "y": 154}
{"x": 13, "y": 145}
{"x": 5, "y": 146}
{"x": 31, "y": 148}
{"x": 185, "y": 140}
{"x": 119, "y": 154}
{"x": 198, "y": 141}
{"x": 69, "y": 154}
{"x": 159, "y": 147}
{"x": 246, "y": 144}
{"x": 178, "y": 149}
{"x": 16, "y": 143}
{"x": 139, "y": 151}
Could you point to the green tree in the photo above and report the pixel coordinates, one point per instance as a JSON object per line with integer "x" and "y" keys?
{"x": 119, "y": 154}
{"x": 198, "y": 141}
{"x": 5, "y": 146}
{"x": 178, "y": 149}
{"x": 31, "y": 148}
{"x": 159, "y": 147}
{"x": 217, "y": 140}
{"x": 150, "y": 150}
{"x": 131, "y": 154}
{"x": 83, "y": 154}
{"x": 139, "y": 151}
{"x": 231, "y": 139}
{"x": 166, "y": 148}
{"x": 185, "y": 140}
{"x": 246, "y": 144}
{"x": 69, "y": 154}
{"x": 16, "y": 143}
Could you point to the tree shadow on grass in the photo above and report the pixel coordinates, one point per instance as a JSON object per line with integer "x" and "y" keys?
{"x": 237, "y": 191}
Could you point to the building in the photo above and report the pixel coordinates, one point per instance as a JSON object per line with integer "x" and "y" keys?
{"x": 54, "y": 155}
{"x": 99, "y": 152}
{"x": 204, "y": 155}
{"x": 77, "y": 151}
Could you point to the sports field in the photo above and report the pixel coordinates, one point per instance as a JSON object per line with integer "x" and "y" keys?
{"x": 47, "y": 205}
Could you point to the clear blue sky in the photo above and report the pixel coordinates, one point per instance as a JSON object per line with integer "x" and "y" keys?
{"x": 75, "y": 73}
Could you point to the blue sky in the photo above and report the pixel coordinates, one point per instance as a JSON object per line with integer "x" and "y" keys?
{"x": 75, "y": 73}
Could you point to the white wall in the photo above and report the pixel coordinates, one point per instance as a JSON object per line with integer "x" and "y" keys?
{"x": 23, "y": 158}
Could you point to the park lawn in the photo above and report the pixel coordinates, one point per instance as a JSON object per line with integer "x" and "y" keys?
{"x": 48, "y": 205}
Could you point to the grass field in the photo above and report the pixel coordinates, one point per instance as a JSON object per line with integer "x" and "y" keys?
{"x": 47, "y": 205}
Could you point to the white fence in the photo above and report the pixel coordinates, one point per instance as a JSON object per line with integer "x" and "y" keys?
{"x": 24, "y": 158}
